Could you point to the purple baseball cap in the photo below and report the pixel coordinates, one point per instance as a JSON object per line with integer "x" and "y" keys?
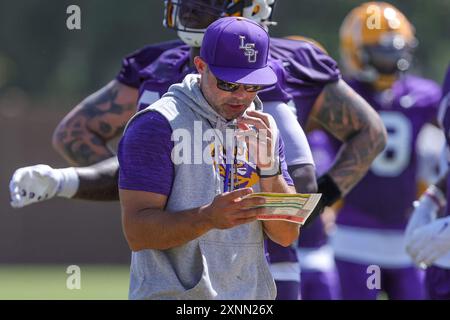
{"x": 236, "y": 50}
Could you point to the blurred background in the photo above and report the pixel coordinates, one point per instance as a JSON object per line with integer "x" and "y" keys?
{"x": 46, "y": 69}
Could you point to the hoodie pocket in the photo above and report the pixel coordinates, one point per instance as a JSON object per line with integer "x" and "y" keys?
{"x": 233, "y": 271}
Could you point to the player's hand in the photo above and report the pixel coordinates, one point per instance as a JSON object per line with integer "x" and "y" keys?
{"x": 430, "y": 242}
{"x": 41, "y": 182}
{"x": 33, "y": 184}
{"x": 425, "y": 211}
{"x": 231, "y": 209}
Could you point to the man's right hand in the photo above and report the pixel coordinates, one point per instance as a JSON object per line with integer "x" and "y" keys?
{"x": 41, "y": 182}
{"x": 231, "y": 209}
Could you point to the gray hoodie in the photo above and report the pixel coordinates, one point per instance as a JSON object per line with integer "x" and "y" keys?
{"x": 221, "y": 264}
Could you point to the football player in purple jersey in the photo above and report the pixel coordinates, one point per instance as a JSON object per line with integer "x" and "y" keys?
{"x": 368, "y": 241}
{"x": 428, "y": 230}
{"x": 308, "y": 80}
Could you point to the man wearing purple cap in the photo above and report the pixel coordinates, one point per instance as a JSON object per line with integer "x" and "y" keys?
{"x": 191, "y": 239}
{"x": 309, "y": 82}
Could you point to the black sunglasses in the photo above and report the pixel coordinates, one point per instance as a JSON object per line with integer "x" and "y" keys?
{"x": 232, "y": 87}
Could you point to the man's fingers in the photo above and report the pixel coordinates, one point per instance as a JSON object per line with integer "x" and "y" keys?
{"x": 246, "y": 133}
{"x": 259, "y": 115}
{"x": 256, "y": 122}
{"x": 248, "y": 203}
{"x": 236, "y": 194}
{"x": 243, "y": 126}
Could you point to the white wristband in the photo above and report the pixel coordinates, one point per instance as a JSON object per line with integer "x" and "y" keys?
{"x": 69, "y": 182}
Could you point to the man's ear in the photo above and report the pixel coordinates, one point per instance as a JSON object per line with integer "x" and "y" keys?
{"x": 200, "y": 64}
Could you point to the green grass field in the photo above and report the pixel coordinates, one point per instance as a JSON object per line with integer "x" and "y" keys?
{"x": 48, "y": 282}
{"x": 101, "y": 282}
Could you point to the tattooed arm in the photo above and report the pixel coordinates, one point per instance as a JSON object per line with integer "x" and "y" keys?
{"x": 347, "y": 116}
{"x": 41, "y": 182}
{"x": 82, "y": 136}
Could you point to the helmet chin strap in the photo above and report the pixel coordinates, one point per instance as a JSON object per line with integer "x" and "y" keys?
{"x": 192, "y": 39}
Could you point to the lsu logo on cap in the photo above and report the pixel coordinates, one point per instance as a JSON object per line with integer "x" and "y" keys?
{"x": 249, "y": 50}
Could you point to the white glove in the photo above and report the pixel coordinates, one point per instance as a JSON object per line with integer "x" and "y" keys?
{"x": 430, "y": 242}
{"x": 41, "y": 182}
{"x": 425, "y": 210}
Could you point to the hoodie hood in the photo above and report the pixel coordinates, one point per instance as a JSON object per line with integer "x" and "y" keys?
{"x": 190, "y": 94}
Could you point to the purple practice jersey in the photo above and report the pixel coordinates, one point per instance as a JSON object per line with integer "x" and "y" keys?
{"x": 383, "y": 198}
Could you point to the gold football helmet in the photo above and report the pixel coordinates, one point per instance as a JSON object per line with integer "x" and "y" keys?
{"x": 376, "y": 43}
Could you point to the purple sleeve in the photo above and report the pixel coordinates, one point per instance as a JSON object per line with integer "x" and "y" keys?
{"x": 305, "y": 63}
{"x": 136, "y": 61}
{"x": 314, "y": 66}
{"x": 144, "y": 155}
{"x": 284, "y": 167}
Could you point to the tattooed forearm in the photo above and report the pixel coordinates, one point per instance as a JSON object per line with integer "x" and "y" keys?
{"x": 347, "y": 116}
{"x": 99, "y": 182}
{"x": 82, "y": 136}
